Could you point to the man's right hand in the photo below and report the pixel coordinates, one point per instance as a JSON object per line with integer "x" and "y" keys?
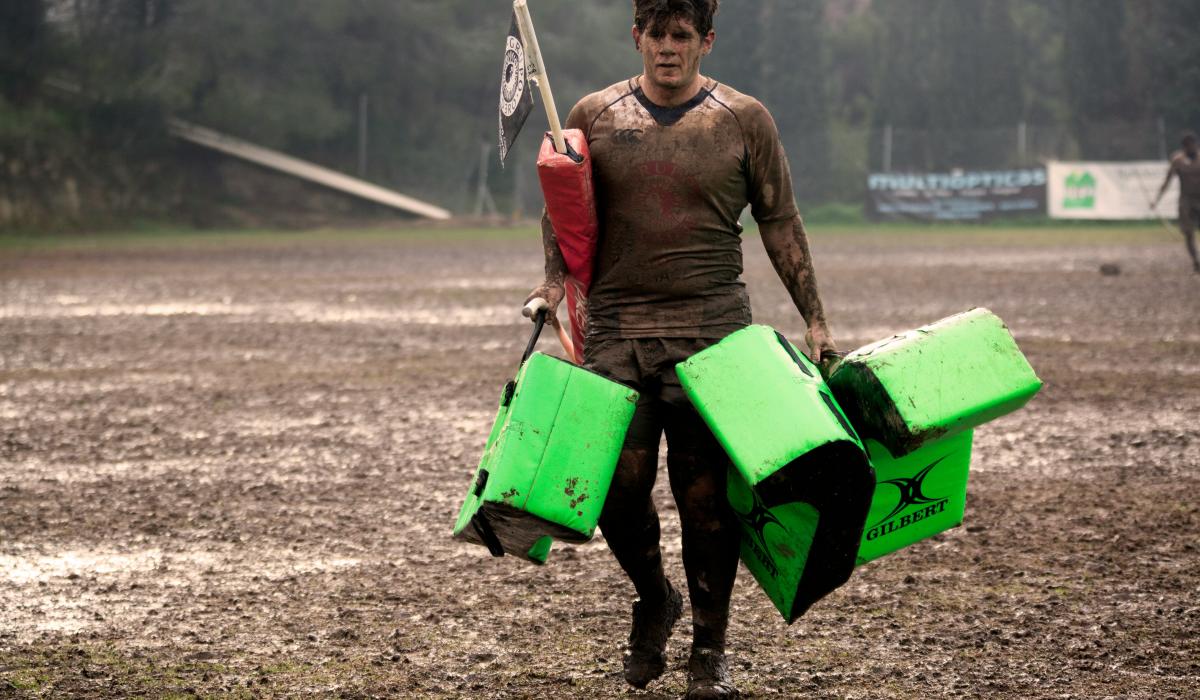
{"x": 820, "y": 342}
{"x": 552, "y": 292}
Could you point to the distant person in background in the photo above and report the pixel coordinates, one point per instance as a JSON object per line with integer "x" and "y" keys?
{"x": 1186, "y": 165}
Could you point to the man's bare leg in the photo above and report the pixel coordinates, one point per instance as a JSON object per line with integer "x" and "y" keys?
{"x": 1189, "y": 238}
{"x": 710, "y": 557}
{"x": 630, "y": 524}
{"x": 710, "y": 540}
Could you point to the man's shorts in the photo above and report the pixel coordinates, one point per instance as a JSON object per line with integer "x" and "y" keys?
{"x": 648, "y": 365}
{"x": 1189, "y": 214}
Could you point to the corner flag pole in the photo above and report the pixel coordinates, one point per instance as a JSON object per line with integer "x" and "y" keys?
{"x": 536, "y": 68}
{"x": 537, "y": 72}
{"x": 1153, "y": 204}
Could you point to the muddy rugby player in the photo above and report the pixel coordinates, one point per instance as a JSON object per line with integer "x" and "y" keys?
{"x": 676, "y": 158}
{"x": 1185, "y": 164}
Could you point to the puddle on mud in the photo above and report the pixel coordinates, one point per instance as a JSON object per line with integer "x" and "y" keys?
{"x": 24, "y": 570}
{"x": 77, "y": 589}
{"x": 1054, "y": 259}
{"x": 482, "y": 283}
{"x": 83, "y": 310}
{"x": 448, "y": 316}
{"x": 307, "y": 312}
{"x": 35, "y": 470}
{"x": 1100, "y": 334}
{"x": 1033, "y": 446}
{"x": 281, "y": 470}
{"x": 464, "y": 421}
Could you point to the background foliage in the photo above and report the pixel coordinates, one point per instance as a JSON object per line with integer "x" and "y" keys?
{"x": 952, "y": 79}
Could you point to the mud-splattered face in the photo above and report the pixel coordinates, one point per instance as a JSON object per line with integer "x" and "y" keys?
{"x": 671, "y": 52}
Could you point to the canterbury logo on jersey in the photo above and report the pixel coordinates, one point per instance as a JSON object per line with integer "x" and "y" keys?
{"x": 627, "y": 137}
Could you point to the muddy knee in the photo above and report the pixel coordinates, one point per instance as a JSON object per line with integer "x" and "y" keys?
{"x": 633, "y": 480}
{"x": 698, "y": 484}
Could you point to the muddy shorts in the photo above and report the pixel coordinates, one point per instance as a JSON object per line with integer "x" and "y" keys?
{"x": 1189, "y": 215}
{"x": 648, "y": 365}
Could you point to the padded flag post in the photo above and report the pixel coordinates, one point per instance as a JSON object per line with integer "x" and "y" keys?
{"x": 565, "y": 171}
{"x": 537, "y": 72}
{"x": 571, "y": 205}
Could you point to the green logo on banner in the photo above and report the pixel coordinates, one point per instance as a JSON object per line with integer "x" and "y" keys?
{"x": 1081, "y": 191}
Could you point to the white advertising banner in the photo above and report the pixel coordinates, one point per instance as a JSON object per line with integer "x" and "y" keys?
{"x": 1109, "y": 190}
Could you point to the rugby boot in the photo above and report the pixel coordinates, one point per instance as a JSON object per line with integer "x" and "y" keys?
{"x": 652, "y": 623}
{"x": 708, "y": 676}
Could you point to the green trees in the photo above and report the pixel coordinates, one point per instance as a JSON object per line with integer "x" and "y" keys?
{"x": 1096, "y": 78}
{"x": 1165, "y": 61}
{"x": 775, "y": 51}
{"x": 22, "y": 49}
{"x": 948, "y": 65}
{"x": 86, "y": 85}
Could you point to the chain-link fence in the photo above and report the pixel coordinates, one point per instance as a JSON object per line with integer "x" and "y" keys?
{"x": 854, "y": 153}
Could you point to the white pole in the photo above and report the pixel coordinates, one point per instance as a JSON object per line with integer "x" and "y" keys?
{"x": 362, "y": 135}
{"x": 537, "y": 72}
{"x": 887, "y": 148}
{"x": 483, "y": 194}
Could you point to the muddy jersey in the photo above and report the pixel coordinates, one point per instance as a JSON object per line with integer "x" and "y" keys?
{"x": 670, "y": 185}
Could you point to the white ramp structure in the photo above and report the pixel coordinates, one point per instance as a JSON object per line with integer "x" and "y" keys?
{"x": 304, "y": 170}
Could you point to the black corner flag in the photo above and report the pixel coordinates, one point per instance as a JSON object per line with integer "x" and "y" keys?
{"x": 516, "y": 99}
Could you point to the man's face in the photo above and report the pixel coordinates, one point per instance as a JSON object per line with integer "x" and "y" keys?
{"x": 671, "y": 52}
{"x": 1189, "y": 147}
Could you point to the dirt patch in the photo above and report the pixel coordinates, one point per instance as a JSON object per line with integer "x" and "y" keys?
{"x": 232, "y": 470}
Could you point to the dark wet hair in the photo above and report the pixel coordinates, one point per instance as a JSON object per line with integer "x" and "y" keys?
{"x": 655, "y": 13}
{"x": 1188, "y": 137}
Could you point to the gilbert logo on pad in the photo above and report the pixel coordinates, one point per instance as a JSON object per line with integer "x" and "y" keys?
{"x": 911, "y": 494}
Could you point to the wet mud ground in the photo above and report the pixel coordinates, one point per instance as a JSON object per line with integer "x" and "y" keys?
{"x": 229, "y": 466}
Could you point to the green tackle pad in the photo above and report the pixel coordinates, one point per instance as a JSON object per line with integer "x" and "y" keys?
{"x": 933, "y": 382}
{"x": 548, "y": 461}
{"x": 800, "y": 482}
{"x": 917, "y": 495}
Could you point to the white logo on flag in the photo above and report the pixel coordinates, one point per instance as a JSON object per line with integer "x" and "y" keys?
{"x": 512, "y": 77}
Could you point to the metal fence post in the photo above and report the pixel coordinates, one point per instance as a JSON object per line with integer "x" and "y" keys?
{"x": 887, "y": 148}
{"x": 1162, "y": 138}
{"x": 363, "y": 102}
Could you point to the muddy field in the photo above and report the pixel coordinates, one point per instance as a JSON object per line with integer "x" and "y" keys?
{"x": 229, "y": 466}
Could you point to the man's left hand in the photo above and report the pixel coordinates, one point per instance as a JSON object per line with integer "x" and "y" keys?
{"x": 819, "y": 341}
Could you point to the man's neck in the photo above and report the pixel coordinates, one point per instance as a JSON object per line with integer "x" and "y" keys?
{"x": 667, "y": 97}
